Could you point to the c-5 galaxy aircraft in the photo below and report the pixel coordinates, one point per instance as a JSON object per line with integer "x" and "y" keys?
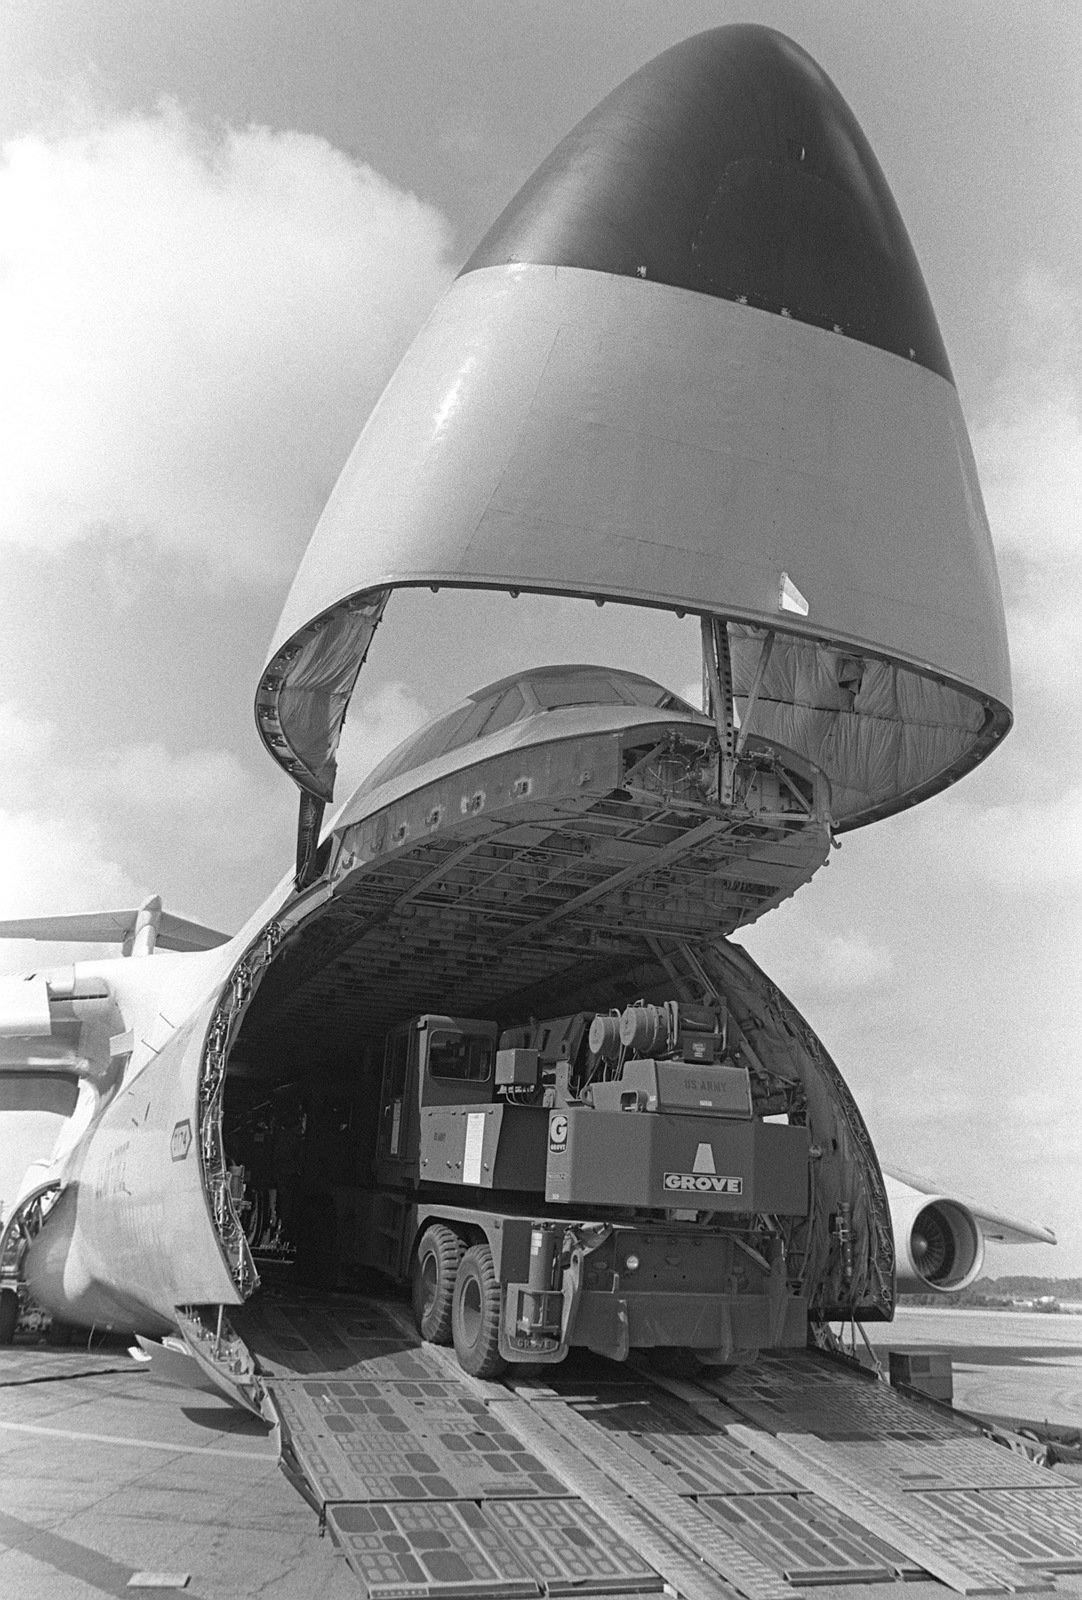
{"x": 553, "y": 827}
{"x": 693, "y": 366}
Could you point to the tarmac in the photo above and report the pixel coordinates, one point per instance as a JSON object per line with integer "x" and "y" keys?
{"x": 1009, "y": 1366}
{"x": 112, "y": 1483}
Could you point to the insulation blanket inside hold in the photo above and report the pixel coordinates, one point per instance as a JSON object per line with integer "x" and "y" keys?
{"x": 875, "y": 729}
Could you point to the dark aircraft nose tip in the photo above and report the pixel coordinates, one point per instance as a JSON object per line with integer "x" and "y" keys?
{"x": 731, "y": 166}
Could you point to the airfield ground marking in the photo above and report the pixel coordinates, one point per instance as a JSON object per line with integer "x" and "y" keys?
{"x": 142, "y": 1444}
{"x": 65, "y": 1377}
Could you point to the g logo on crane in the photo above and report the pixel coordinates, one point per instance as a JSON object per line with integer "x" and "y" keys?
{"x": 558, "y": 1131}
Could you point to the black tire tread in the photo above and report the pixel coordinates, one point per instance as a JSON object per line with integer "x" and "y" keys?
{"x": 434, "y": 1325}
{"x": 482, "y": 1359}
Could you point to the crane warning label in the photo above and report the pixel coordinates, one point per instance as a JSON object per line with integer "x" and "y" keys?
{"x": 703, "y": 1183}
{"x": 181, "y": 1142}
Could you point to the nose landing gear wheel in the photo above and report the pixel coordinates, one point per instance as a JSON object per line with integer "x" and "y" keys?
{"x": 475, "y": 1315}
{"x": 435, "y": 1268}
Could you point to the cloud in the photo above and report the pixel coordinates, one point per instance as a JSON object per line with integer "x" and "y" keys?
{"x": 54, "y": 863}
{"x": 26, "y": 742}
{"x": 1032, "y": 845}
{"x": 210, "y": 795}
{"x": 195, "y": 822}
{"x": 813, "y": 964}
{"x": 377, "y": 722}
{"x": 59, "y": 863}
{"x": 1031, "y": 470}
{"x": 843, "y": 963}
{"x": 195, "y": 326}
{"x": 1020, "y": 829}
{"x": 1028, "y": 446}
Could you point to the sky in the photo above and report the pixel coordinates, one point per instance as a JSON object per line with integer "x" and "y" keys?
{"x": 221, "y": 225}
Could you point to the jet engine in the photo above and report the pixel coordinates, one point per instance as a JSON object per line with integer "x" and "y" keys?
{"x": 938, "y": 1245}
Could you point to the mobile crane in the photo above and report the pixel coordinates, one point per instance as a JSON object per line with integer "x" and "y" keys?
{"x": 607, "y": 1181}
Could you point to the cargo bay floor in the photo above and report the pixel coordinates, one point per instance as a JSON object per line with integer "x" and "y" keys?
{"x": 588, "y": 1479}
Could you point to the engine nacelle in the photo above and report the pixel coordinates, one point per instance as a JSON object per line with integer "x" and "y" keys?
{"x": 937, "y": 1242}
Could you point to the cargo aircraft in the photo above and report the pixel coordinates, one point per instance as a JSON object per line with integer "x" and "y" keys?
{"x": 490, "y": 1035}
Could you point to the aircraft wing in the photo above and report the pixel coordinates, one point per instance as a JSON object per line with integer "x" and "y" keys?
{"x": 113, "y": 927}
{"x": 180, "y": 933}
{"x": 992, "y": 1224}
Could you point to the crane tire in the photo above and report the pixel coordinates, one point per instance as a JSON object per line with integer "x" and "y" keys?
{"x": 9, "y": 1314}
{"x": 432, "y": 1281}
{"x": 475, "y": 1315}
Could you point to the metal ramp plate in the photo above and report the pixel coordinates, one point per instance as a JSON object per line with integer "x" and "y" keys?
{"x": 597, "y": 1480}
{"x": 362, "y": 1440}
{"x": 648, "y": 1493}
{"x": 956, "y": 1557}
{"x": 427, "y": 1550}
{"x": 807, "y": 1541}
{"x": 808, "y": 1393}
{"x": 684, "y": 1450}
{"x": 299, "y": 1336}
{"x": 684, "y": 1572}
{"x": 560, "y": 1548}
{"x": 570, "y": 1549}
{"x": 962, "y": 1463}
{"x": 1035, "y": 1528}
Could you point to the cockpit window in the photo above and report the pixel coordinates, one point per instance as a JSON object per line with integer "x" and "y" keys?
{"x": 584, "y": 689}
{"x": 514, "y": 699}
{"x": 645, "y": 693}
{"x": 507, "y": 708}
{"x": 424, "y": 746}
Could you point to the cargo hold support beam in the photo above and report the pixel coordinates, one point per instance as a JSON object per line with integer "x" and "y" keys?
{"x": 718, "y": 698}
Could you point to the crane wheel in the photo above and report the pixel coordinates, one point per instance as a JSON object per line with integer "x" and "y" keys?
{"x": 475, "y": 1315}
{"x": 435, "y": 1268}
{"x": 9, "y": 1314}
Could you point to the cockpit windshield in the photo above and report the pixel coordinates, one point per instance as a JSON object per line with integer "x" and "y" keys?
{"x": 513, "y": 699}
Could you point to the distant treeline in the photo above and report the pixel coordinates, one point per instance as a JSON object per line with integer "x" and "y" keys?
{"x": 1032, "y": 1288}
{"x": 1003, "y": 1292}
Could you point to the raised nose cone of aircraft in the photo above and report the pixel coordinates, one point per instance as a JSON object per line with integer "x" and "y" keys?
{"x": 731, "y": 166}
{"x": 693, "y": 365}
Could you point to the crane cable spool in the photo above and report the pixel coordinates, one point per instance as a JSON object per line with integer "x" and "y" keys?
{"x": 648, "y": 1030}
{"x": 605, "y": 1036}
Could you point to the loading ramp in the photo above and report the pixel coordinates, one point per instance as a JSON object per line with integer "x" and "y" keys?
{"x": 599, "y": 1479}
